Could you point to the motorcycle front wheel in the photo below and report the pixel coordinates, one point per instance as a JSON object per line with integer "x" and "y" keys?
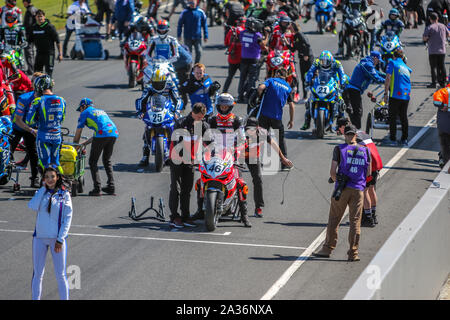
{"x": 213, "y": 201}
{"x": 159, "y": 154}
{"x": 132, "y": 75}
{"x": 320, "y": 124}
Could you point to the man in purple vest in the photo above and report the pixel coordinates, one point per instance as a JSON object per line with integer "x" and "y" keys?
{"x": 251, "y": 42}
{"x": 353, "y": 165}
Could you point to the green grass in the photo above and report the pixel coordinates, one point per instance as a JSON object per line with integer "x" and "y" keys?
{"x": 52, "y": 7}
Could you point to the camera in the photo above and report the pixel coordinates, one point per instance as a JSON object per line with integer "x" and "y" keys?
{"x": 341, "y": 180}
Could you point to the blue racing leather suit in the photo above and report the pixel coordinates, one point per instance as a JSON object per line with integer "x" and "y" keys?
{"x": 395, "y": 26}
{"x": 48, "y": 111}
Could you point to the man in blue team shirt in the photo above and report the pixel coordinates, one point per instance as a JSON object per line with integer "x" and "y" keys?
{"x": 363, "y": 75}
{"x": 105, "y": 135}
{"x": 276, "y": 92}
{"x": 22, "y": 130}
{"x": 397, "y": 88}
{"x": 48, "y": 111}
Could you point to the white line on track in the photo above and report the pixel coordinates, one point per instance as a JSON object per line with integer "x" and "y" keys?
{"x": 169, "y": 240}
{"x": 281, "y": 282}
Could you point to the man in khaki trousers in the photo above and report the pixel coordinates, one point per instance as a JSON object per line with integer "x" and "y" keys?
{"x": 353, "y": 161}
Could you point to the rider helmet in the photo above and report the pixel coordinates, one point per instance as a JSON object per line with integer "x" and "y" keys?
{"x": 11, "y": 3}
{"x": 163, "y": 28}
{"x": 11, "y": 18}
{"x": 284, "y": 22}
{"x": 159, "y": 80}
{"x": 224, "y": 100}
{"x": 43, "y": 83}
{"x": 4, "y": 57}
{"x": 393, "y": 14}
{"x": 326, "y": 59}
{"x": 142, "y": 24}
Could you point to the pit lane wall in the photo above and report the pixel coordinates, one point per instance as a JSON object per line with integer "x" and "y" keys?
{"x": 414, "y": 262}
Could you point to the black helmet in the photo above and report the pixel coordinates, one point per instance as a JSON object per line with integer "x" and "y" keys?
{"x": 43, "y": 83}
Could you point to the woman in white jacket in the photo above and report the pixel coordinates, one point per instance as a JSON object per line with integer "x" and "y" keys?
{"x": 53, "y": 205}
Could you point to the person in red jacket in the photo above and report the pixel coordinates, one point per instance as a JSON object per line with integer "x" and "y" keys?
{"x": 10, "y": 73}
{"x": 283, "y": 35}
{"x": 21, "y": 85}
{"x": 234, "y": 52}
{"x": 369, "y": 218}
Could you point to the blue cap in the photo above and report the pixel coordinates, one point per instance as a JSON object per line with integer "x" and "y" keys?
{"x": 375, "y": 54}
{"x": 85, "y": 102}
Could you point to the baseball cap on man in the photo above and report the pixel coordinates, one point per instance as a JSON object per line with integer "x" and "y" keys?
{"x": 85, "y": 102}
{"x": 350, "y": 129}
{"x": 375, "y": 54}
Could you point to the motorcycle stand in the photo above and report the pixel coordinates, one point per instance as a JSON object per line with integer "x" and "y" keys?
{"x": 16, "y": 186}
{"x": 159, "y": 213}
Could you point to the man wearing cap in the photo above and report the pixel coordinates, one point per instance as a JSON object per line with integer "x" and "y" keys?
{"x": 353, "y": 165}
{"x": 397, "y": 88}
{"x": 105, "y": 135}
{"x": 363, "y": 75}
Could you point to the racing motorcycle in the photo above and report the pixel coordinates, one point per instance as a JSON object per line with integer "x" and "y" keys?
{"x": 388, "y": 44}
{"x": 160, "y": 120}
{"x": 134, "y": 57}
{"x": 277, "y": 59}
{"x": 218, "y": 187}
{"x": 215, "y": 12}
{"x": 324, "y": 9}
{"x": 6, "y": 166}
{"x": 355, "y": 34}
{"x": 322, "y": 102}
{"x": 17, "y": 56}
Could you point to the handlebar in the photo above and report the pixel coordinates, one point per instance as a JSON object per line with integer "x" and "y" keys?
{"x": 66, "y": 133}
{"x": 7, "y": 134}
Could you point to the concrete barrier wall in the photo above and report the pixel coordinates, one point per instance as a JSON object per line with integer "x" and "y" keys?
{"x": 414, "y": 262}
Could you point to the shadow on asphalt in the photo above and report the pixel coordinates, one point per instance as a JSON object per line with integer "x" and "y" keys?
{"x": 109, "y": 86}
{"x": 123, "y": 114}
{"x": 305, "y": 224}
{"x": 133, "y": 167}
{"x": 214, "y": 47}
{"x": 279, "y": 257}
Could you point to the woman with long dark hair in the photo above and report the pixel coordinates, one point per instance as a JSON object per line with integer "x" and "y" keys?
{"x": 53, "y": 205}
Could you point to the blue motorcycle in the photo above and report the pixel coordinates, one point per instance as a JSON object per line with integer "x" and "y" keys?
{"x": 388, "y": 44}
{"x": 324, "y": 11}
{"x": 159, "y": 120}
{"x": 6, "y": 166}
{"x": 322, "y": 102}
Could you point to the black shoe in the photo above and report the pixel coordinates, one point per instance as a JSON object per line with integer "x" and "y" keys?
{"x": 246, "y": 222}
{"x": 109, "y": 190}
{"x": 431, "y": 85}
{"x": 95, "y": 193}
{"x": 35, "y": 183}
{"x": 305, "y": 126}
{"x": 199, "y": 215}
{"x": 374, "y": 217}
{"x": 144, "y": 162}
{"x": 367, "y": 221}
{"x": 285, "y": 168}
{"x": 188, "y": 222}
